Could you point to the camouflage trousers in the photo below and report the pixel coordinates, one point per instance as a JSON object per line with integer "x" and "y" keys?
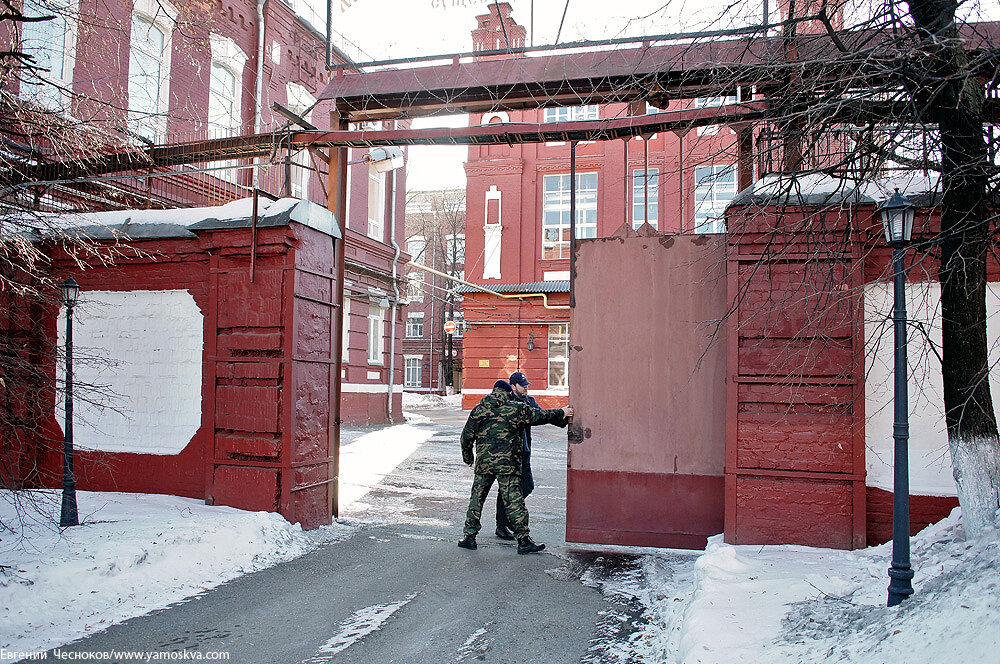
{"x": 510, "y": 490}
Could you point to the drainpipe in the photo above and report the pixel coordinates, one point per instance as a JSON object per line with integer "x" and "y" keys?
{"x": 395, "y": 290}
{"x": 259, "y": 84}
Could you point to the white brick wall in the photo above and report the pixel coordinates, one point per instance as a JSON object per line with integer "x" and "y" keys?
{"x": 930, "y": 460}
{"x": 146, "y": 348}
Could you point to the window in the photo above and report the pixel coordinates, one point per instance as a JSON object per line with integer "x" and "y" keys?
{"x": 555, "y": 212}
{"x": 415, "y": 248}
{"x": 223, "y": 104}
{"x": 375, "y": 341}
{"x": 376, "y": 205}
{"x": 415, "y": 286}
{"x": 559, "y": 357}
{"x": 569, "y": 113}
{"x": 225, "y": 116}
{"x": 345, "y": 345}
{"x": 411, "y": 373}
{"x": 640, "y": 181}
{"x": 455, "y": 259}
{"x": 714, "y": 187}
{"x": 709, "y": 102}
{"x": 52, "y": 44}
{"x": 300, "y": 101}
{"x": 147, "y": 75}
{"x": 415, "y": 324}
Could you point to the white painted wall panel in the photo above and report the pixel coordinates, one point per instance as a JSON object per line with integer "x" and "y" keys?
{"x": 145, "y": 347}
{"x": 930, "y": 460}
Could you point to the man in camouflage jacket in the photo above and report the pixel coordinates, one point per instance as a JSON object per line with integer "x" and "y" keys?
{"x": 495, "y": 427}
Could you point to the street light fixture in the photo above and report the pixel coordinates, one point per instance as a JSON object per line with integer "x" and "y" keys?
{"x": 897, "y": 221}
{"x": 68, "y": 515}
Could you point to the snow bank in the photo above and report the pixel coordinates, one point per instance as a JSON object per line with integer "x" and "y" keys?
{"x": 799, "y": 604}
{"x": 424, "y": 401}
{"x": 132, "y": 554}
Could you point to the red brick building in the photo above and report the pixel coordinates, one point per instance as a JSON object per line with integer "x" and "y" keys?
{"x": 146, "y": 72}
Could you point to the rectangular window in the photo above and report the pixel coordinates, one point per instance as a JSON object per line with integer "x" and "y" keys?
{"x": 642, "y": 182}
{"x": 455, "y": 248}
{"x": 346, "y": 339}
{"x": 301, "y": 168}
{"x": 415, "y": 324}
{"x": 555, "y": 212}
{"x": 411, "y": 374}
{"x": 415, "y": 248}
{"x": 146, "y": 75}
{"x": 375, "y": 333}
{"x": 715, "y": 186}
{"x": 376, "y": 205}
{"x": 224, "y": 112}
{"x": 570, "y": 113}
{"x": 415, "y": 286}
{"x": 50, "y": 43}
{"x": 559, "y": 356}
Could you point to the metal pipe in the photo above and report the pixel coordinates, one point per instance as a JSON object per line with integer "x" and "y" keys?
{"x": 259, "y": 83}
{"x": 572, "y": 222}
{"x": 395, "y": 291}
{"x": 900, "y": 573}
{"x": 337, "y": 203}
{"x": 484, "y": 289}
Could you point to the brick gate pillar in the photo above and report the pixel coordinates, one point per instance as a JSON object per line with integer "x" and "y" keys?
{"x": 795, "y": 470}
{"x": 271, "y": 361}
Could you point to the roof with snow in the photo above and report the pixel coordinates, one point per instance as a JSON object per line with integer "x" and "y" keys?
{"x": 533, "y": 287}
{"x": 818, "y": 189}
{"x": 182, "y": 222}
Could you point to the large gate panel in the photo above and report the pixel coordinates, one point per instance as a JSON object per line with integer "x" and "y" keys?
{"x": 647, "y": 380}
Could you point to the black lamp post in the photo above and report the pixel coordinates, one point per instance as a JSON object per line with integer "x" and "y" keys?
{"x": 68, "y": 516}
{"x": 897, "y": 221}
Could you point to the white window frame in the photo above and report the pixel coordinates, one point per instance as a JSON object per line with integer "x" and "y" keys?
{"x": 571, "y": 113}
{"x": 227, "y": 55}
{"x": 455, "y": 247}
{"x": 459, "y": 318}
{"x": 376, "y": 207}
{"x": 300, "y": 101}
{"x": 639, "y": 195}
{"x": 413, "y": 367}
{"x": 53, "y": 88}
{"x": 558, "y": 337}
{"x": 376, "y": 333}
{"x": 555, "y": 212}
{"x": 711, "y": 199}
{"x": 414, "y": 325}
{"x": 345, "y": 340}
{"x": 163, "y": 16}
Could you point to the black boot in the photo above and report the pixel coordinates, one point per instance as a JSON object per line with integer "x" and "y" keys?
{"x": 527, "y": 545}
{"x": 503, "y": 532}
{"x": 468, "y": 542}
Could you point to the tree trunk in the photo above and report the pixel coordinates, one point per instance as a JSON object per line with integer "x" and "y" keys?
{"x": 950, "y": 97}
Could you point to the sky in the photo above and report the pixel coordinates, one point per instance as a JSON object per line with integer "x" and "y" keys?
{"x": 138, "y": 553}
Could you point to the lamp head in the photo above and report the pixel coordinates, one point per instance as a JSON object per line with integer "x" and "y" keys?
{"x": 70, "y": 291}
{"x": 385, "y": 159}
{"x": 897, "y": 219}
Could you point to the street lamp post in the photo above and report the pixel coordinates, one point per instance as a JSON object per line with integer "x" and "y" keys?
{"x": 68, "y": 515}
{"x": 897, "y": 221}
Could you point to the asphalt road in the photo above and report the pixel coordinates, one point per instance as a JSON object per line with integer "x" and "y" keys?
{"x": 400, "y": 590}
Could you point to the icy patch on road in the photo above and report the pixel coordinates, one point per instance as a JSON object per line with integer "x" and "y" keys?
{"x": 648, "y": 593}
{"x": 475, "y": 645}
{"x": 361, "y": 623}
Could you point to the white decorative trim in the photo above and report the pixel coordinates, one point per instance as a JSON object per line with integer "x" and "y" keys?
{"x": 413, "y": 357}
{"x": 556, "y": 276}
{"x": 534, "y": 393}
{"x": 364, "y": 388}
{"x": 492, "y": 235}
{"x": 490, "y": 117}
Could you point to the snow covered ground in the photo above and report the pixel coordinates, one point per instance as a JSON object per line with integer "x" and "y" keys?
{"x": 140, "y": 553}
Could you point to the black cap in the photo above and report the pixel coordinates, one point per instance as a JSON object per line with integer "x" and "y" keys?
{"x": 517, "y": 378}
